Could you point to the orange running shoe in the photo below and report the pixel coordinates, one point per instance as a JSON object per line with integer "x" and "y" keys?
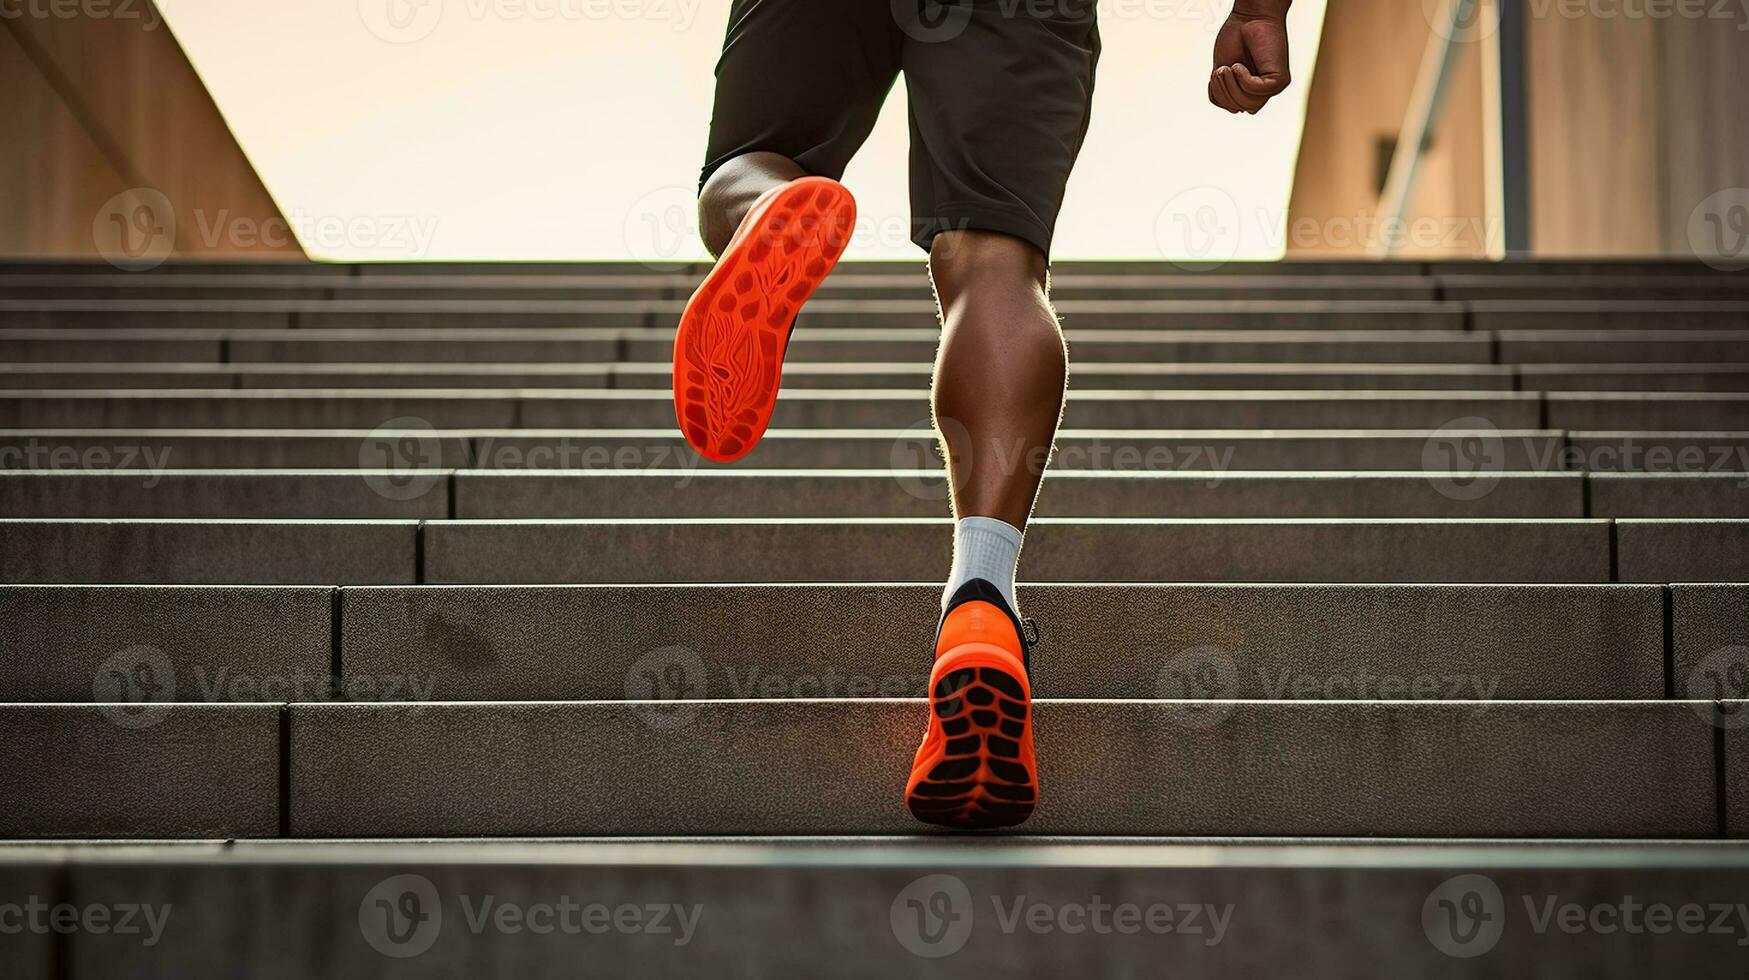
{"x": 975, "y": 768}
{"x": 728, "y": 353}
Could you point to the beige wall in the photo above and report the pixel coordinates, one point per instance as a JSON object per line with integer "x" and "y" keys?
{"x": 1633, "y": 122}
{"x": 1366, "y": 72}
{"x": 95, "y": 108}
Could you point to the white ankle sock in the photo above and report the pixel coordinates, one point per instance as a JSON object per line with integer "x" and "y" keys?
{"x": 985, "y": 548}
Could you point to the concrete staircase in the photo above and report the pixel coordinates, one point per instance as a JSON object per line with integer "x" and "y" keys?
{"x": 1390, "y": 610}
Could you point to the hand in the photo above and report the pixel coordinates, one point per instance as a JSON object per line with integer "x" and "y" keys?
{"x": 1250, "y": 56}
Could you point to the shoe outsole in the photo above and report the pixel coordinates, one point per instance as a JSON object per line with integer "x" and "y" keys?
{"x": 982, "y": 774}
{"x": 728, "y": 352}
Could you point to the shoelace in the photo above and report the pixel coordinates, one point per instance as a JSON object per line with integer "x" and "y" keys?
{"x": 1029, "y": 629}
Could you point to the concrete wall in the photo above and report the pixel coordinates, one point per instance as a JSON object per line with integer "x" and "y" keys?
{"x": 114, "y": 147}
{"x": 1634, "y": 122}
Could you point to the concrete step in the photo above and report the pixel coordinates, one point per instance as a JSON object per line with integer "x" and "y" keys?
{"x": 1123, "y": 450}
{"x": 1458, "y": 769}
{"x": 923, "y": 493}
{"x": 1519, "y": 288}
{"x": 198, "y": 552}
{"x": 873, "y": 907}
{"x": 1127, "y": 767}
{"x": 852, "y": 284}
{"x": 488, "y": 314}
{"x": 1633, "y": 377}
{"x": 137, "y": 449}
{"x": 1647, "y": 410}
{"x": 1668, "y": 494}
{"x": 1363, "y": 377}
{"x": 155, "y": 346}
{"x": 832, "y": 408}
{"x": 370, "y": 494}
{"x": 572, "y": 345}
{"x": 1553, "y": 268}
{"x": 903, "y": 374}
{"x": 1631, "y": 452}
{"x": 143, "y": 770}
{"x": 740, "y": 492}
{"x": 469, "y": 643}
{"x": 1615, "y": 314}
{"x": 1058, "y": 550}
{"x": 242, "y": 552}
{"x": 1622, "y": 346}
{"x": 313, "y": 346}
{"x": 1258, "y": 642}
{"x": 1673, "y": 550}
{"x": 154, "y": 644}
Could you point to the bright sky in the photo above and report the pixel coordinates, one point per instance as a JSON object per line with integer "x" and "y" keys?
{"x": 573, "y": 129}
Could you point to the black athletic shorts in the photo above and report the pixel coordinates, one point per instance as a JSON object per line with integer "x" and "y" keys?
{"x": 1000, "y": 96}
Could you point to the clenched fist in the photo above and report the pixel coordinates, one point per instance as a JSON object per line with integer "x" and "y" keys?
{"x": 1250, "y": 56}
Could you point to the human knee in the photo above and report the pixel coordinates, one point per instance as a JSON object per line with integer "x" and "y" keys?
{"x": 966, "y": 263}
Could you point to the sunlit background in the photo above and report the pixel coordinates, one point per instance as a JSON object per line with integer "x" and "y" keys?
{"x": 574, "y": 129}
